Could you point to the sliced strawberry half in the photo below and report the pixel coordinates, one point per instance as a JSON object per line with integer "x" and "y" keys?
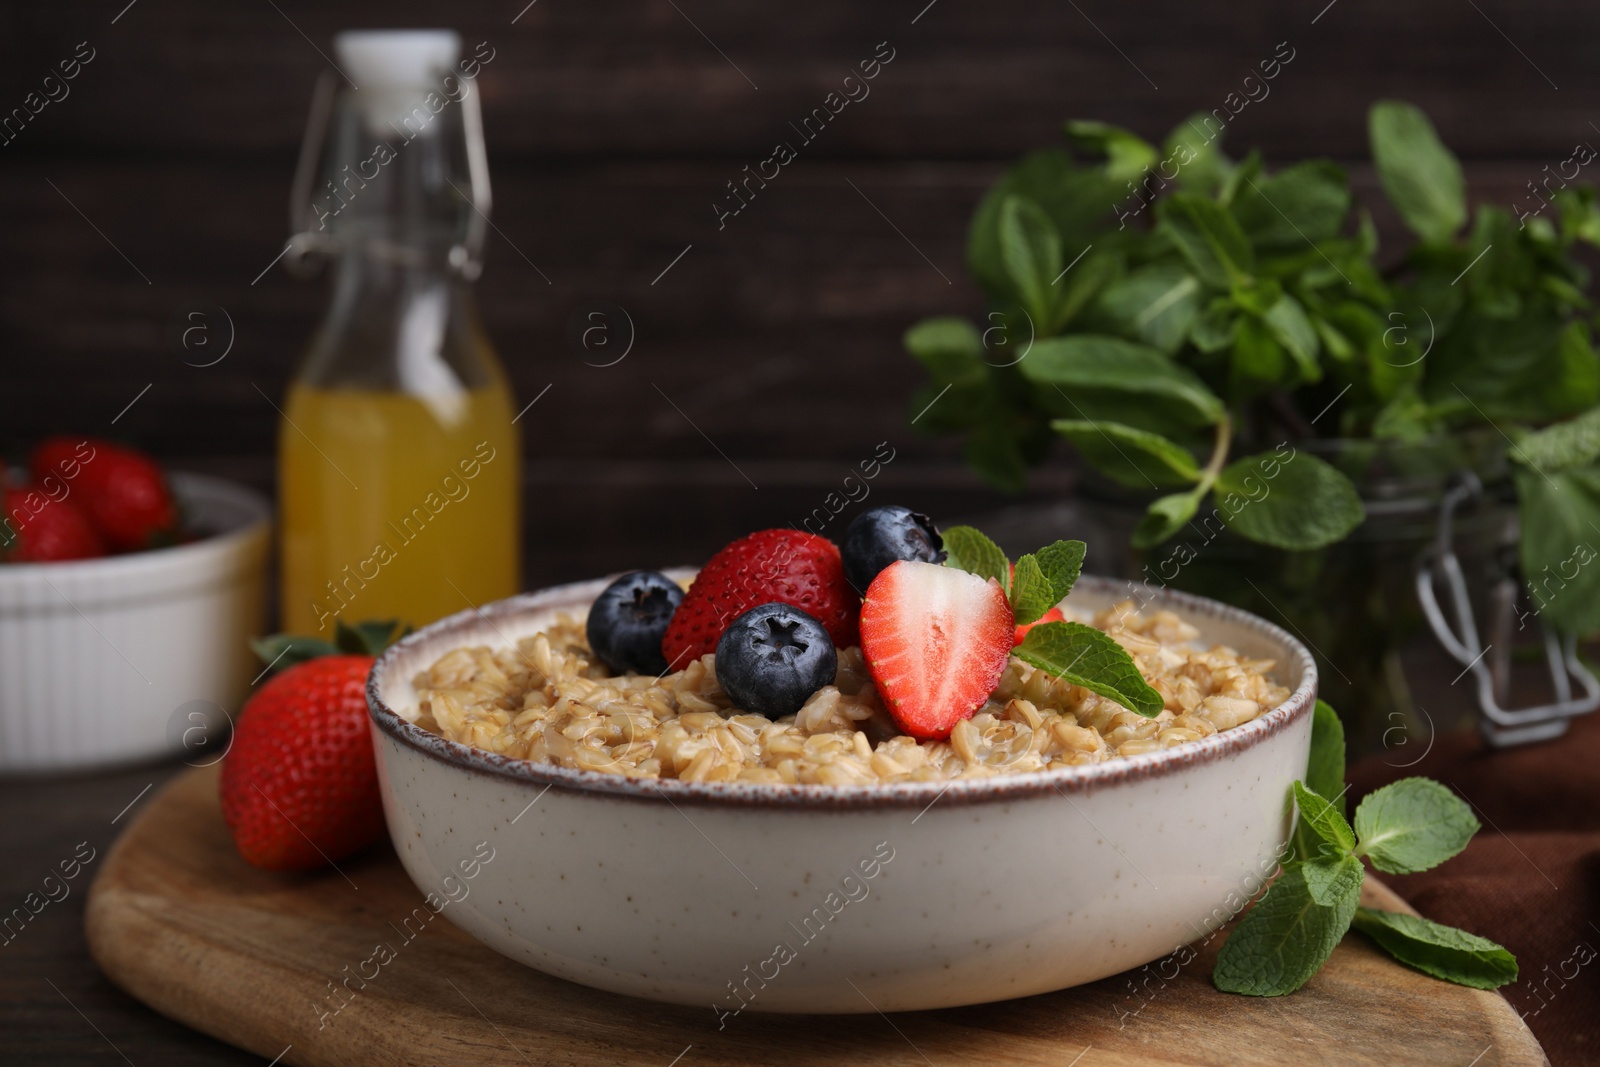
{"x": 937, "y": 641}
{"x": 1053, "y": 615}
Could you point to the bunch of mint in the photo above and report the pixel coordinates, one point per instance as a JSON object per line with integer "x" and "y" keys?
{"x": 1407, "y": 826}
{"x": 1072, "y": 651}
{"x": 1186, "y": 321}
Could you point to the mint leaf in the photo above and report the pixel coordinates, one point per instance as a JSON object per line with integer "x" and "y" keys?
{"x": 1030, "y": 249}
{"x": 1216, "y": 328}
{"x": 1325, "y": 770}
{"x": 1088, "y": 657}
{"x": 1128, "y": 455}
{"x": 1207, "y": 237}
{"x": 1421, "y": 177}
{"x": 1559, "y": 515}
{"x": 1306, "y": 202}
{"x": 950, "y": 348}
{"x": 1574, "y": 443}
{"x": 1127, "y": 154}
{"x": 1294, "y": 502}
{"x": 1412, "y": 825}
{"x": 1083, "y": 283}
{"x": 1062, "y": 562}
{"x": 1573, "y": 382}
{"x": 1197, "y": 153}
{"x": 1288, "y": 936}
{"x": 1165, "y": 517}
{"x": 1075, "y": 198}
{"x": 1324, "y": 823}
{"x": 1155, "y": 304}
{"x": 971, "y": 551}
{"x": 1330, "y": 879}
{"x": 1259, "y": 362}
{"x": 1031, "y": 594}
{"x": 1442, "y": 951}
{"x": 1098, "y": 364}
{"x": 1287, "y": 322}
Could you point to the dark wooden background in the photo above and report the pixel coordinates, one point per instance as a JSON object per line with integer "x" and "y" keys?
{"x": 161, "y": 182}
{"x": 612, "y": 129}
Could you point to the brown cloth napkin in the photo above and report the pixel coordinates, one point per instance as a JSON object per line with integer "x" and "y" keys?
{"x": 1530, "y": 879}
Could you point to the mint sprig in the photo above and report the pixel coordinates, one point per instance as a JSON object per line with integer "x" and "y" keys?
{"x": 1410, "y": 825}
{"x": 1071, "y": 651}
{"x": 1258, "y": 297}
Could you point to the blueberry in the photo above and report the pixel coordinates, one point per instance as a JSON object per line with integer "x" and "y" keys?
{"x": 880, "y": 536}
{"x": 773, "y": 657}
{"x": 628, "y": 619}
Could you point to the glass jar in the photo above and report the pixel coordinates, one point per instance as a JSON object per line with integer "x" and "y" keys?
{"x": 1353, "y": 603}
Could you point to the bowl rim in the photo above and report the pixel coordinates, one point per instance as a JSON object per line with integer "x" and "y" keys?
{"x": 185, "y": 485}
{"x": 962, "y": 791}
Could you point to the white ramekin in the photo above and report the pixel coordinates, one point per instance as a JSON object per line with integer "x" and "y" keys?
{"x": 115, "y": 660}
{"x": 906, "y": 896}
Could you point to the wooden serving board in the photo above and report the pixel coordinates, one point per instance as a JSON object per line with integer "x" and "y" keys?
{"x": 178, "y": 920}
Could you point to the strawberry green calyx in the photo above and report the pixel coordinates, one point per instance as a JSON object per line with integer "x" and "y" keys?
{"x": 369, "y": 638}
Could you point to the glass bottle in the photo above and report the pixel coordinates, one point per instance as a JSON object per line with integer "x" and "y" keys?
{"x": 399, "y": 464}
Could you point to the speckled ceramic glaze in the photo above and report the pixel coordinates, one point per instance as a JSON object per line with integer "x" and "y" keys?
{"x": 739, "y": 897}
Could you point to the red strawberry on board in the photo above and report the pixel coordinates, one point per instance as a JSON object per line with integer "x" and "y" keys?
{"x": 1053, "y": 615}
{"x": 299, "y": 783}
{"x": 37, "y": 529}
{"x": 123, "y": 491}
{"x": 937, "y": 640}
{"x": 786, "y": 566}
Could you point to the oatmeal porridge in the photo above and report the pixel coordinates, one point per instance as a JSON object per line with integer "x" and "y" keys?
{"x": 551, "y": 701}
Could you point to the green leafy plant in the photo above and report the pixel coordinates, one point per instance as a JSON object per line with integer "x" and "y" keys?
{"x": 1407, "y": 826}
{"x": 1188, "y": 354}
{"x": 1072, "y": 651}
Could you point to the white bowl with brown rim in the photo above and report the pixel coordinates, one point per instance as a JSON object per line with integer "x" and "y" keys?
{"x": 804, "y": 898}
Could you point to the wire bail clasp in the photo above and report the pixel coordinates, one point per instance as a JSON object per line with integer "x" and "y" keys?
{"x": 1501, "y": 727}
{"x": 310, "y": 243}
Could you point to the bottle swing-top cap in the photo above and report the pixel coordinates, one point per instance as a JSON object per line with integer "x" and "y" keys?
{"x": 393, "y": 69}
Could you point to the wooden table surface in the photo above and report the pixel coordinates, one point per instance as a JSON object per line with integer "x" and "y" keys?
{"x": 55, "y": 1006}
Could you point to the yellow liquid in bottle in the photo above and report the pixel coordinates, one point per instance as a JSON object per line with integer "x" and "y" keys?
{"x": 396, "y": 508}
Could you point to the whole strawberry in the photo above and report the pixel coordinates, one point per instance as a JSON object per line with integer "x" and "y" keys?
{"x": 63, "y": 457}
{"x": 783, "y": 566}
{"x": 37, "y": 529}
{"x": 123, "y": 491}
{"x": 299, "y": 783}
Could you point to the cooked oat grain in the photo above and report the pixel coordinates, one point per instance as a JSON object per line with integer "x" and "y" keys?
{"x": 549, "y": 700}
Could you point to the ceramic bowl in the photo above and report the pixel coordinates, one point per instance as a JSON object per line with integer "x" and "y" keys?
{"x": 135, "y": 657}
{"x": 892, "y": 897}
